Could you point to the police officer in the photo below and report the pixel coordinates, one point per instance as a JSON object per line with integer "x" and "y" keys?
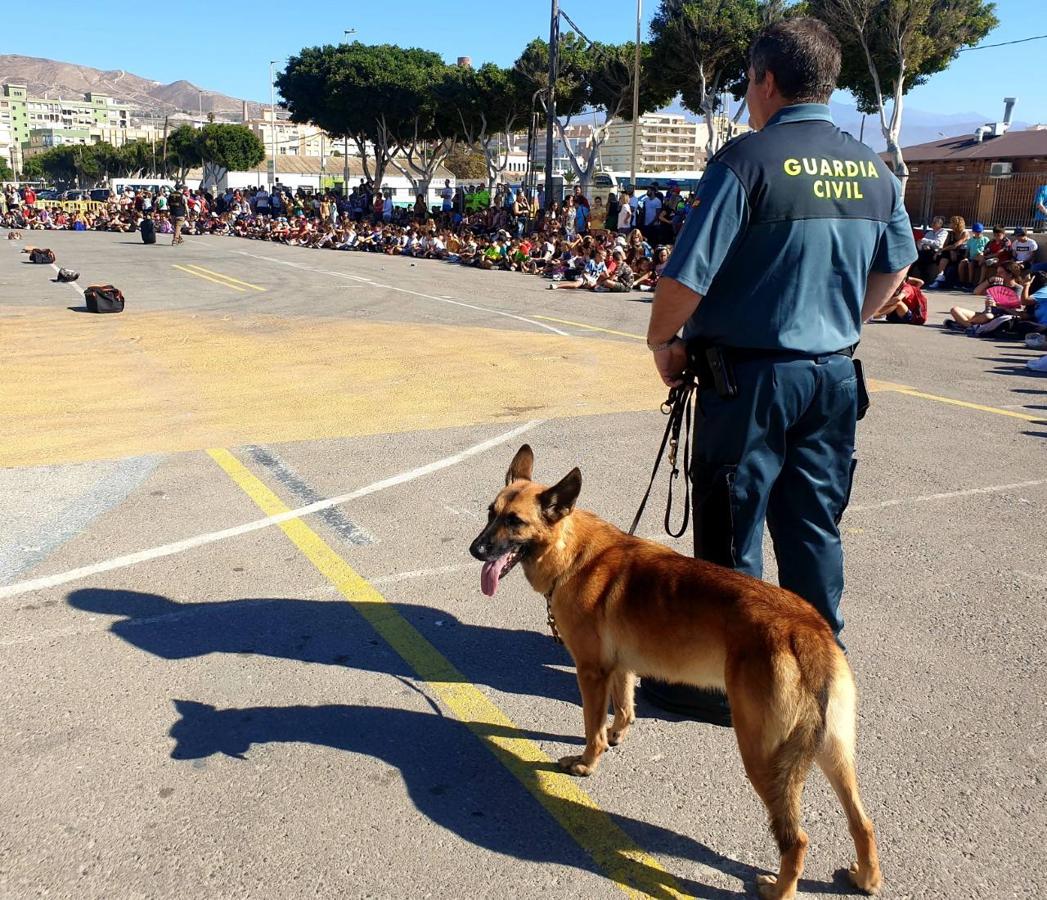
{"x": 797, "y": 234}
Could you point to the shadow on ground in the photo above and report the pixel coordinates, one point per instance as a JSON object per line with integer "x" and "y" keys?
{"x": 451, "y": 777}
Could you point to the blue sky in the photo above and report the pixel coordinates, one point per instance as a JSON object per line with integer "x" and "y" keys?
{"x": 226, "y": 46}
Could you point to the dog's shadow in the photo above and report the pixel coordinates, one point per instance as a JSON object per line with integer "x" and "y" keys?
{"x": 450, "y": 775}
{"x": 452, "y": 778}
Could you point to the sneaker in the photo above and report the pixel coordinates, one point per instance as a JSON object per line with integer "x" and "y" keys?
{"x": 1038, "y": 365}
{"x": 600, "y": 289}
{"x": 951, "y": 325}
{"x": 876, "y": 319}
{"x": 1036, "y": 341}
{"x": 552, "y": 287}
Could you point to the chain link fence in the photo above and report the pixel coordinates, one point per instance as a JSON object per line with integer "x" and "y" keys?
{"x": 995, "y": 200}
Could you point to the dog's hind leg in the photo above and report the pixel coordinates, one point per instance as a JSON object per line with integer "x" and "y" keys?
{"x": 622, "y": 686}
{"x": 836, "y": 760}
{"x": 595, "y": 685}
{"x": 777, "y": 756}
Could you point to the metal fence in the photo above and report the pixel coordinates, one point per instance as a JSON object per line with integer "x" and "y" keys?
{"x": 995, "y": 200}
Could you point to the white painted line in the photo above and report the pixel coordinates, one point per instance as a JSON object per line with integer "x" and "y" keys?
{"x": 200, "y": 540}
{"x": 71, "y": 284}
{"x": 402, "y": 290}
{"x": 969, "y": 492}
{"x": 421, "y": 573}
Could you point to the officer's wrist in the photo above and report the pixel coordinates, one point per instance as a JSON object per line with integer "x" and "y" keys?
{"x": 658, "y": 346}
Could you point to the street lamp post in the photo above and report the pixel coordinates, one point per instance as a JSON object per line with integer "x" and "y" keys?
{"x": 636, "y": 95}
{"x": 550, "y": 105}
{"x": 345, "y": 150}
{"x": 272, "y": 116}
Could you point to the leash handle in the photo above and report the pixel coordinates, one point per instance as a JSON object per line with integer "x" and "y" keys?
{"x": 678, "y": 408}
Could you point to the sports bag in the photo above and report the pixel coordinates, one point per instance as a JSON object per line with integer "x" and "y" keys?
{"x": 148, "y": 231}
{"x": 41, "y": 255}
{"x": 103, "y": 298}
{"x": 67, "y": 275}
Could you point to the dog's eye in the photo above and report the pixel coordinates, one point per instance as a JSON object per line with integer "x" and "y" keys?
{"x": 514, "y": 521}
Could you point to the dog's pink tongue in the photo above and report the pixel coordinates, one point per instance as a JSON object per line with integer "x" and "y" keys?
{"x": 490, "y": 574}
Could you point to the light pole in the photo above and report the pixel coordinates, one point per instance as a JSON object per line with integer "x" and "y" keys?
{"x": 636, "y": 96}
{"x": 550, "y": 104}
{"x": 272, "y": 115}
{"x": 345, "y": 149}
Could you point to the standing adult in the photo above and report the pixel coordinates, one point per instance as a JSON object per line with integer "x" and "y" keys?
{"x": 771, "y": 279}
{"x": 177, "y": 209}
{"x": 651, "y": 208}
{"x": 1039, "y": 209}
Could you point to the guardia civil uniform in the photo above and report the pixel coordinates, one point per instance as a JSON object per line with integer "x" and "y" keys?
{"x": 788, "y": 223}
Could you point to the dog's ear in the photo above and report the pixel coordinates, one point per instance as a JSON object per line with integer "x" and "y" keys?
{"x": 522, "y": 465}
{"x": 559, "y": 500}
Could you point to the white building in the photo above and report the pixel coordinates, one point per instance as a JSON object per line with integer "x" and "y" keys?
{"x": 294, "y": 139}
{"x": 9, "y": 147}
{"x": 665, "y": 142}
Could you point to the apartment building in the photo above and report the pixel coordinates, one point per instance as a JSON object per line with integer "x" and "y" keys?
{"x": 666, "y": 142}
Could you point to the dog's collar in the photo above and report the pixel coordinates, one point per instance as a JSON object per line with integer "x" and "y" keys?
{"x": 550, "y": 618}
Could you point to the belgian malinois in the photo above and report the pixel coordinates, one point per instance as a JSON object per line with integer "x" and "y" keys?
{"x": 625, "y": 607}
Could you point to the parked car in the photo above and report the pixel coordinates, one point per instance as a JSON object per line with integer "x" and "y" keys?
{"x": 47, "y": 194}
{"x": 102, "y": 194}
{"x": 73, "y": 195}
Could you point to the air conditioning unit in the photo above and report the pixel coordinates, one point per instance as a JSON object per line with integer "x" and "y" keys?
{"x": 999, "y": 169}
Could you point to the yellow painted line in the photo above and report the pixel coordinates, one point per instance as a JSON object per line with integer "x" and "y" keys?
{"x": 209, "y": 278}
{"x": 224, "y": 277}
{"x": 988, "y": 409}
{"x": 637, "y": 873}
{"x": 638, "y": 337}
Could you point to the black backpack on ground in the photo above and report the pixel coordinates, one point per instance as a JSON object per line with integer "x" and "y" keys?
{"x": 103, "y": 298}
{"x": 148, "y": 229}
{"x": 41, "y": 255}
{"x": 67, "y": 275}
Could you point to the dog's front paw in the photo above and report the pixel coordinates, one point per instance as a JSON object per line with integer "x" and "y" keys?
{"x": 573, "y": 765}
{"x": 868, "y": 882}
{"x": 767, "y": 887}
{"x": 617, "y": 734}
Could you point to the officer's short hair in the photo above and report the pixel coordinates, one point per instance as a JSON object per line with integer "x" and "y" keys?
{"x": 804, "y": 56}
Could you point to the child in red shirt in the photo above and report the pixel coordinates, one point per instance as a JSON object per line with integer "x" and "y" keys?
{"x": 908, "y": 305}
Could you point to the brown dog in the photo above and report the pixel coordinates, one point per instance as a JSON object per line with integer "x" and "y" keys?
{"x": 625, "y": 606}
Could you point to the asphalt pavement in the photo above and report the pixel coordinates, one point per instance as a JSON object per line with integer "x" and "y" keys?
{"x": 209, "y": 696}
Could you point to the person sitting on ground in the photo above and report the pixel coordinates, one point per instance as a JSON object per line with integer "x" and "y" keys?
{"x": 1009, "y": 302}
{"x": 620, "y": 281}
{"x": 907, "y": 306}
{"x": 970, "y": 267}
{"x": 594, "y": 268}
{"x": 997, "y": 252}
{"x": 953, "y": 251}
{"x": 1024, "y": 248}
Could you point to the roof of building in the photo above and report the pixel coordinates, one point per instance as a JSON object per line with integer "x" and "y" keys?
{"x": 1010, "y": 145}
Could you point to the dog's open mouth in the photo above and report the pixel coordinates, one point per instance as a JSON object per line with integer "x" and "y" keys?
{"x": 495, "y": 570}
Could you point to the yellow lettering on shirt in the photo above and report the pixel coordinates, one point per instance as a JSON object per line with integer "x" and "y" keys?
{"x": 826, "y": 185}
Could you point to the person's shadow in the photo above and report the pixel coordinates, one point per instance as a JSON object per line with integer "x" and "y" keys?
{"x": 331, "y": 632}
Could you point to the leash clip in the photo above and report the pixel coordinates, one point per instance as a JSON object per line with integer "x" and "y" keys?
{"x": 673, "y": 444}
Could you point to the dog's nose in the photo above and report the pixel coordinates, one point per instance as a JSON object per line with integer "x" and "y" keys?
{"x": 478, "y": 549}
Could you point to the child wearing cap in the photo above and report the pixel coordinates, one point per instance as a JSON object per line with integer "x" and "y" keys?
{"x": 1024, "y": 247}
{"x": 975, "y": 247}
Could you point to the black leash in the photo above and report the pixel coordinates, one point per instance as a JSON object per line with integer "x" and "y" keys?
{"x": 678, "y": 407}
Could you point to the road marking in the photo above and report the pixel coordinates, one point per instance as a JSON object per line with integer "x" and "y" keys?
{"x": 988, "y": 409}
{"x": 402, "y": 290}
{"x": 948, "y": 495}
{"x": 247, "y": 284}
{"x": 638, "y": 337}
{"x": 209, "y": 278}
{"x": 630, "y": 868}
{"x": 200, "y": 540}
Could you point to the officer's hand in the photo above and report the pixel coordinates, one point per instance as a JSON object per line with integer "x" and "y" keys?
{"x": 671, "y": 362}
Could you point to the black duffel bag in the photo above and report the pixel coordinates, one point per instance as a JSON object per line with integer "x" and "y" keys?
{"x": 103, "y": 298}
{"x": 148, "y": 230}
{"x": 41, "y": 255}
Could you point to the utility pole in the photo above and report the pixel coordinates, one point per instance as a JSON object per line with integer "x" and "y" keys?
{"x": 272, "y": 114}
{"x": 550, "y": 103}
{"x": 636, "y": 95}
{"x": 165, "y": 146}
{"x": 345, "y": 152}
